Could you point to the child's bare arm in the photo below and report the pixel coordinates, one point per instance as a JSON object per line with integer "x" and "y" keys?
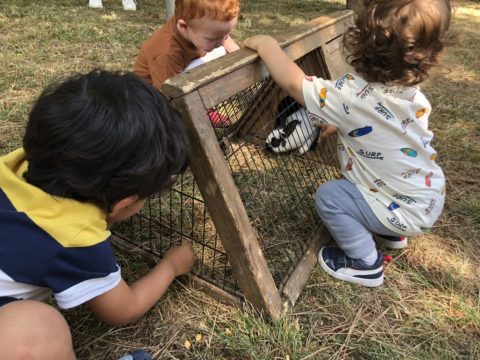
{"x": 283, "y": 70}
{"x": 124, "y": 303}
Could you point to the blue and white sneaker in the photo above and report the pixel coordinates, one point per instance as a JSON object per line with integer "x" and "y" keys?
{"x": 334, "y": 261}
{"x": 137, "y": 355}
{"x": 391, "y": 242}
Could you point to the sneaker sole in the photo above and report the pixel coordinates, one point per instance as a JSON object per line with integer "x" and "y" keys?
{"x": 351, "y": 279}
{"x": 396, "y": 245}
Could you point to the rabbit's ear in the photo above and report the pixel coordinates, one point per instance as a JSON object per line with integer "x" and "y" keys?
{"x": 278, "y": 121}
{"x": 290, "y": 127}
{"x": 287, "y": 107}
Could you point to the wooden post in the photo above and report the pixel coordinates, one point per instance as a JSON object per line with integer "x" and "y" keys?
{"x": 170, "y": 9}
{"x": 297, "y": 280}
{"x": 225, "y": 206}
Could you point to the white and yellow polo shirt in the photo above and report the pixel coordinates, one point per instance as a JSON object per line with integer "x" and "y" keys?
{"x": 50, "y": 244}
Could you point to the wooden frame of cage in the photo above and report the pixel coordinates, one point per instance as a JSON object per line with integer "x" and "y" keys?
{"x": 193, "y": 92}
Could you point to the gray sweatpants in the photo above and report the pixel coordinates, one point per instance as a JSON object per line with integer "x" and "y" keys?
{"x": 348, "y": 217}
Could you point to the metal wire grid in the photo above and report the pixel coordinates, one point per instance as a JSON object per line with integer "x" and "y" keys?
{"x": 180, "y": 215}
{"x": 277, "y": 191}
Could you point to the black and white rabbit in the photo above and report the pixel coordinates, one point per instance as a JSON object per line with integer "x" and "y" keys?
{"x": 298, "y": 132}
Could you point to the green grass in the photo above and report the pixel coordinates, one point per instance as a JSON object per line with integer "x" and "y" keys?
{"x": 429, "y": 306}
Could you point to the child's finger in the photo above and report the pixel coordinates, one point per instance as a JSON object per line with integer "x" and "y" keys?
{"x": 327, "y": 130}
{"x": 254, "y": 42}
{"x": 251, "y": 43}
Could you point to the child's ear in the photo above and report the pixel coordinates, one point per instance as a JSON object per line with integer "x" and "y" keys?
{"x": 182, "y": 26}
{"x": 122, "y": 204}
{"x": 125, "y": 208}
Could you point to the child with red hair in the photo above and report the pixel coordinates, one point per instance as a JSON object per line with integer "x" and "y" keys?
{"x": 198, "y": 27}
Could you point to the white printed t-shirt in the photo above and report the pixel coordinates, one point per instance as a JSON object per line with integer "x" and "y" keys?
{"x": 384, "y": 147}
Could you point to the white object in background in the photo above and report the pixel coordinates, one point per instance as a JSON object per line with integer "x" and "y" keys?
{"x": 129, "y": 5}
{"x": 96, "y": 4}
{"x": 215, "y": 53}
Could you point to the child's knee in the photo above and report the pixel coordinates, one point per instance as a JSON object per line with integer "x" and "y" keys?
{"x": 27, "y": 329}
{"x": 323, "y": 198}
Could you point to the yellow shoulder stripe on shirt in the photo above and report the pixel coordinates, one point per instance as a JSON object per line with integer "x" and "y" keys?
{"x": 69, "y": 222}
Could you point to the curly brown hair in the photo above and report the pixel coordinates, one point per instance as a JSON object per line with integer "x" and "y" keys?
{"x": 396, "y": 42}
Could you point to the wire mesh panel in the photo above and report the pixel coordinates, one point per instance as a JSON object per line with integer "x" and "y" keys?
{"x": 259, "y": 198}
{"x": 277, "y": 189}
{"x": 175, "y": 216}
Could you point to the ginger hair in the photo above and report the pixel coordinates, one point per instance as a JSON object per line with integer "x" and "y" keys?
{"x": 223, "y": 10}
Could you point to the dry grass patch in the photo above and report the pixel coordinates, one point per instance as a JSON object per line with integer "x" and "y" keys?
{"x": 429, "y": 306}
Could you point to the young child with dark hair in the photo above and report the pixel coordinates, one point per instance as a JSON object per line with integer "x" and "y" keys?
{"x": 392, "y": 187}
{"x": 96, "y": 146}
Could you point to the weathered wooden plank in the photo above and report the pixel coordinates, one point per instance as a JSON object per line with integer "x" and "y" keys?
{"x": 214, "y": 291}
{"x": 234, "y": 82}
{"x": 225, "y": 207}
{"x": 296, "y": 282}
{"x": 334, "y": 57}
{"x": 327, "y": 27}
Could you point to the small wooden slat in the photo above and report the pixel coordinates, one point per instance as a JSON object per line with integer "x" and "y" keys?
{"x": 214, "y": 291}
{"x": 296, "y": 282}
{"x": 334, "y": 57}
{"x": 327, "y": 27}
{"x": 226, "y": 209}
{"x": 317, "y": 39}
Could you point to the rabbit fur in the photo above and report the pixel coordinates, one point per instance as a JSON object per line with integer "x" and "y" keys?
{"x": 298, "y": 132}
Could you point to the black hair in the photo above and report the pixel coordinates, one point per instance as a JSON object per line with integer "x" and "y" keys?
{"x": 102, "y": 137}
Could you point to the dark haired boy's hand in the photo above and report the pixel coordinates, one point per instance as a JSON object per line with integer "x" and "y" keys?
{"x": 181, "y": 258}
